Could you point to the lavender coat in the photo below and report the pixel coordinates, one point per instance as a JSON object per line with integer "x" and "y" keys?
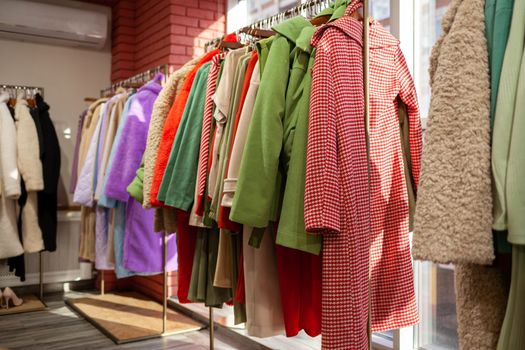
{"x": 142, "y": 247}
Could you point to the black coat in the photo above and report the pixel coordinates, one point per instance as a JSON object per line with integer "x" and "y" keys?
{"x": 50, "y": 155}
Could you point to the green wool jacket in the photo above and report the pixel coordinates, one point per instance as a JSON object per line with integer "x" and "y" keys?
{"x": 504, "y": 118}
{"x": 291, "y": 231}
{"x": 516, "y": 166}
{"x": 258, "y": 184}
{"x": 498, "y": 15}
{"x": 178, "y": 183}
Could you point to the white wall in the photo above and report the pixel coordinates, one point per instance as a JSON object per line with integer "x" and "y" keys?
{"x": 68, "y": 75}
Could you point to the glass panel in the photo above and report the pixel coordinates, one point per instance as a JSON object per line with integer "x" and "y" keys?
{"x": 259, "y": 9}
{"x": 435, "y": 283}
{"x": 380, "y": 10}
{"x": 438, "y": 327}
{"x": 428, "y": 15}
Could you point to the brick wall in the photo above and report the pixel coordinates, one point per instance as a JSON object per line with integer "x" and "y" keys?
{"x": 148, "y": 33}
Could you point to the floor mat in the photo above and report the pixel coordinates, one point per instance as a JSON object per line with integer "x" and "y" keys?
{"x": 31, "y": 303}
{"x": 127, "y": 317}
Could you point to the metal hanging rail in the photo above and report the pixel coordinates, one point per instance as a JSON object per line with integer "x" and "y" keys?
{"x": 28, "y": 90}
{"x": 311, "y": 7}
{"x": 137, "y": 79}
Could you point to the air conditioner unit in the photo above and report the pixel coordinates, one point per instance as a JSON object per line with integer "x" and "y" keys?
{"x": 52, "y": 24}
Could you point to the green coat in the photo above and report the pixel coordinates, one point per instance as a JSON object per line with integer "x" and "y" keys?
{"x": 287, "y": 112}
{"x": 178, "y": 183}
{"x": 505, "y": 117}
{"x": 291, "y": 231}
{"x": 498, "y": 15}
{"x": 136, "y": 188}
{"x": 257, "y": 186}
{"x": 516, "y": 166}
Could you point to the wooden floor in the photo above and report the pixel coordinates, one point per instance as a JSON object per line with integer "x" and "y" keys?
{"x": 59, "y": 328}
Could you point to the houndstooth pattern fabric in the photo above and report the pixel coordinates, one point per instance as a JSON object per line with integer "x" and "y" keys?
{"x": 366, "y": 252}
{"x": 204, "y": 151}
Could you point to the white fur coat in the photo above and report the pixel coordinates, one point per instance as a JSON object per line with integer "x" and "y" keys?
{"x": 9, "y": 183}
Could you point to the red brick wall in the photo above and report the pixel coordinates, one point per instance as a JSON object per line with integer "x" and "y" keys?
{"x": 150, "y": 286}
{"x": 148, "y": 33}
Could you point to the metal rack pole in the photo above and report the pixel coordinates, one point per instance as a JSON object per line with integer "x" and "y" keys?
{"x": 212, "y": 329}
{"x": 102, "y": 283}
{"x": 366, "y": 85}
{"x": 165, "y": 283}
{"x": 41, "y": 277}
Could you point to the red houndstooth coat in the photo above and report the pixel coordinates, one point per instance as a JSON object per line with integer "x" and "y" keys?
{"x": 366, "y": 253}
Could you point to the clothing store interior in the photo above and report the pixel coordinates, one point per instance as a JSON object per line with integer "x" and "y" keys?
{"x": 262, "y": 174}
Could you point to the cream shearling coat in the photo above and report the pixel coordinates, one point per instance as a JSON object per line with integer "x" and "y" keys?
{"x": 30, "y": 167}
{"x": 454, "y": 205}
{"x": 9, "y": 184}
{"x": 159, "y": 114}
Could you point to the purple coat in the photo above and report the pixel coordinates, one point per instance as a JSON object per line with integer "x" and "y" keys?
{"x": 142, "y": 246}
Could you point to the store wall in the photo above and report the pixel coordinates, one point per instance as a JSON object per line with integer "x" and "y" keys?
{"x": 146, "y": 34}
{"x": 68, "y": 75}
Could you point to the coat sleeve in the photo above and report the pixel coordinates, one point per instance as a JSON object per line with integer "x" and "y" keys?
{"x": 407, "y": 93}
{"x": 322, "y": 202}
{"x": 28, "y": 150}
{"x": 9, "y": 175}
{"x": 181, "y": 186}
{"x": 254, "y": 198}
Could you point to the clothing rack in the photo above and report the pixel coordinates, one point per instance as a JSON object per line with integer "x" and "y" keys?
{"x": 137, "y": 80}
{"x": 29, "y": 92}
{"x": 309, "y": 9}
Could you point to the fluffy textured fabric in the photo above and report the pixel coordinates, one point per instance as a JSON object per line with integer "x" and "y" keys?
{"x": 10, "y": 188}
{"x": 30, "y": 166}
{"x": 9, "y": 174}
{"x": 480, "y": 300}
{"x": 158, "y": 117}
{"x": 28, "y": 149}
{"x": 454, "y": 208}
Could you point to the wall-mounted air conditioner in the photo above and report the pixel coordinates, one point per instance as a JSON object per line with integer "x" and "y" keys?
{"x": 52, "y": 24}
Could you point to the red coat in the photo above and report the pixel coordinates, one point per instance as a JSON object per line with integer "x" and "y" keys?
{"x": 366, "y": 252}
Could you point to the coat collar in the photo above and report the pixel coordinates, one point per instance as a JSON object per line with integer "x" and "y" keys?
{"x": 303, "y": 41}
{"x": 292, "y": 28}
{"x": 4, "y": 97}
{"x": 353, "y": 28}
